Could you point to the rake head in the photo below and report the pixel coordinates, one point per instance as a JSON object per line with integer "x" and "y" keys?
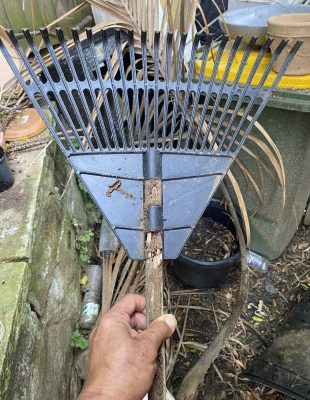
{"x": 128, "y": 117}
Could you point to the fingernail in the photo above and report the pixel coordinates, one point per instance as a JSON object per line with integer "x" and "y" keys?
{"x": 170, "y": 320}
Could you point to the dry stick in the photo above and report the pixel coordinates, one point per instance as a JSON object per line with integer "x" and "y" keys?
{"x": 154, "y": 284}
{"x": 194, "y": 379}
{"x": 107, "y": 266}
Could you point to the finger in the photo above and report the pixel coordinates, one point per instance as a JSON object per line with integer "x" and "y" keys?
{"x": 130, "y": 304}
{"x": 138, "y": 321}
{"x": 160, "y": 330}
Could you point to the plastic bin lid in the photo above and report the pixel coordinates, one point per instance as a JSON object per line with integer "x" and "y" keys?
{"x": 287, "y": 82}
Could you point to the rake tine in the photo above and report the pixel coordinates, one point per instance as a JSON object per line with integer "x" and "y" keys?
{"x": 38, "y": 85}
{"x": 146, "y": 93}
{"x": 188, "y": 89}
{"x": 125, "y": 92}
{"x": 46, "y": 72}
{"x": 78, "y": 46}
{"x": 244, "y": 60}
{"x": 103, "y": 93}
{"x": 177, "y": 91}
{"x": 86, "y": 72}
{"x": 25, "y": 87}
{"x": 211, "y": 85}
{"x": 90, "y": 40}
{"x": 156, "y": 77}
{"x": 63, "y": 44}
{"x": 107, "y": 52}
{"x": 244, "y": 90}
{"x": 268, "y": 92}
{"x": 61, "y": 105}
{"x": 231, "y": 58}
{"x": 135, "y": 90}
{"x": 205, "y": 55}
{"x": 166, "y": 94}
{"x": 257, "y": 91}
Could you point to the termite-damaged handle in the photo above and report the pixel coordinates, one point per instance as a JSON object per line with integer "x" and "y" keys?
{"x": 154, "y": 273}
{"x": 154, "y": 299}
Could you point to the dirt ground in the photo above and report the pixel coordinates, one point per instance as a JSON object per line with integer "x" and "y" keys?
{"x": 205, "y": 310}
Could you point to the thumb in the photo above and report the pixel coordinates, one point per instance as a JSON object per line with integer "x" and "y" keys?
{"x": 160, "y": 329}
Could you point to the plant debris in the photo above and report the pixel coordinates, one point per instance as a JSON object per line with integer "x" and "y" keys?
{"x": 201, "y": 313}
{"x": 211, "y": 241}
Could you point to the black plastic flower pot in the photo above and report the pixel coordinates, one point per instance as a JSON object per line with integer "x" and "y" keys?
{"x": 202, "y": 273}
{"x": 6, "y": 177}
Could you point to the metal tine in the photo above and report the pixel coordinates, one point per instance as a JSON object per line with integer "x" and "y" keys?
{"x": 63, "y": 44}
{"x": 25, "y": 87}
{"x": 124, "y": 80}
{"x": 77, "y": 43}
{"x": 61, "y": 105}
{"x": 274, "y": 57}
{"x": 135, "y": 90}
{"x": 269, "y": 92}
{"x": 244, "y": 89}
{"x": 90, "y": 39}
{"x": 210, "y": 88}
{"x": 188, "y": 88}
{"x": 156, "y": 77}
{"x": 205, "y": 55}
{"x": 177, "y": 91}
{"x": 146, "y": 94}
{"x": 244, "y": 60}
{"x": 231, "y": 58}
{"x": 103, "y": 93}
{"x": 107, "y": 52}
{"x": 39, "y": 85}
{"x": 166, "y": 92}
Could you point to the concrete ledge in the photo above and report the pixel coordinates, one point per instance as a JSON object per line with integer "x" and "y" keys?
{"x": 40, "y": 299}
{"x": 14, "y": 283}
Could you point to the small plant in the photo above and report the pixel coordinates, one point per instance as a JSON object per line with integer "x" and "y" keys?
{"x": 78, "y": 341}
{"x": 75, "y": 223}
{"x": 82, "y": 187}
{"x": 82, "y": 244}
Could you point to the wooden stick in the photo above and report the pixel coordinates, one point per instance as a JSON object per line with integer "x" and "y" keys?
{"x": 154, "y": 301}
{"x": 154, "y": 282}
{"x": 107, "y": 265}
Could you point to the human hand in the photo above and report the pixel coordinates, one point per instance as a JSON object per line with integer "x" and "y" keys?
{"x": 122, "y": 361}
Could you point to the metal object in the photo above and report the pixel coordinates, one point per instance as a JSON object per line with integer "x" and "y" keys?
{"x": 252, "y": 20}
{"x": 107, "y": 241}
{"x": 147, "y": 126}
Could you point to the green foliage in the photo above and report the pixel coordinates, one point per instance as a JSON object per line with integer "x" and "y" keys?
{"x": 82, "y": 244}
{"x": 82, "y": 187}
{"x": 75, "y": 223}
{"x": 78, "y": 341}
{"x": 86, "y": 236}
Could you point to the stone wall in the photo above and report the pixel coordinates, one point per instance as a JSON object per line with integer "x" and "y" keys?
{"x": 39, "y": 277}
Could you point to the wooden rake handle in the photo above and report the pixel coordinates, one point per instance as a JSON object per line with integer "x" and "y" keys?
{"x": 154, "y": 301}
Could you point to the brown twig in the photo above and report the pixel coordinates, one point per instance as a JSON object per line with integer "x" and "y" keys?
{"x": 195, "y": 377}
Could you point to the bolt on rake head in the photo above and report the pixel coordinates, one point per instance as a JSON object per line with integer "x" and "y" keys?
{"x": 129, "y": 119}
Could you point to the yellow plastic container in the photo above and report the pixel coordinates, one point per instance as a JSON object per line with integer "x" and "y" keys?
{"x": 287, "y": 82}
